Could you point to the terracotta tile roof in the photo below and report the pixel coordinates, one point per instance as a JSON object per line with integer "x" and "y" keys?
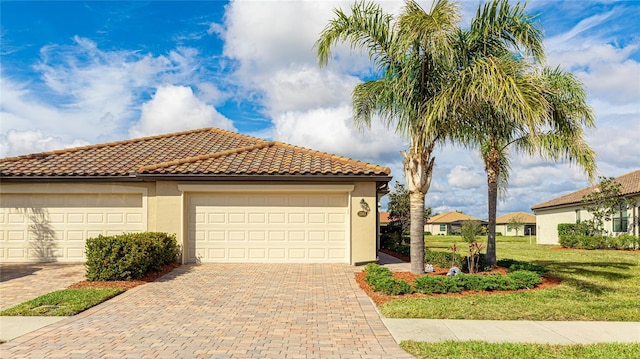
{"x": 384, "y": 217}
{"x": 208, "y": 151}
{"x": 450, "y": 217}
{"x": 523, "y": 216}
{"x": 630, "y": 183}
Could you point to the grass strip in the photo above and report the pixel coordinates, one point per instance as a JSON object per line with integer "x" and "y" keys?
{"x": 65, "y": 302}
{"x": 485, "y": 350}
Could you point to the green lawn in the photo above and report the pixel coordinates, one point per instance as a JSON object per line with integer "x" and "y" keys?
{"x": 65, "y": 302}
{"x": 484, "y": 350}
{"x": 596, "y": 285}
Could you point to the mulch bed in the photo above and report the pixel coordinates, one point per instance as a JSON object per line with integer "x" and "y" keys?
{"x": 126, "y": 284}
{"x": 380, "y": 298}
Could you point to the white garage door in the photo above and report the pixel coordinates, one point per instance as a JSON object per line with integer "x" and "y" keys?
{"x": 40, "y": 227}
{"x": 268, "y": 227}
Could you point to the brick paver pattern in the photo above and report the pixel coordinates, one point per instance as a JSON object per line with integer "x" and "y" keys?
{"x": 20, "y": 282}
{"x": 225, "y": 311}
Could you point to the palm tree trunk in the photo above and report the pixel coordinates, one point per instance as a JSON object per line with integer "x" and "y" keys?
{"x": 418, "y": 167}
{"x": 417, "y": 232}
{"x": 493, "y": 172}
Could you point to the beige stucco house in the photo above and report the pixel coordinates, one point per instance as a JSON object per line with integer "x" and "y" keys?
{"x": 227, "y": 197}
{"x": 448, "y": 223}
{"x": 569, "y": 209}
{"x": 504, "y": 224}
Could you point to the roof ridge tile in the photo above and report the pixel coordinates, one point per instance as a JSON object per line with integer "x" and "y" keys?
{"x": 207, "y": 156}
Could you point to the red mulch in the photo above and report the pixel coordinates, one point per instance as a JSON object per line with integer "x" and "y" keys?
{"x": 126, "y": 284}
{"x": 380, "y": 298}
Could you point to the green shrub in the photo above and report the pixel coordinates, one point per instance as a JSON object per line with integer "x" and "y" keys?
{"x": 524, "y": 279}
{"x": 129, "y": 255}
{"x": 392, "y": 286}
{"x": 427, "y": 233}
{"x": 497, "y": 282}
{"x": 498, "y": 234}
{"x": 623, "y": 241}
{"x": 380, "y": 280}
{"x": 592, "y": 242}
{"x": 470, "y": 281}
{"x": 437, "y": 284}
{"x": 513, "y": 265}
{"x": 443, "y": 259}
{"x": 568, "y": 241}
{"x": 441, "y": 284}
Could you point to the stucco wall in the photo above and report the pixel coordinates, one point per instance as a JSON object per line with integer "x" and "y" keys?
{"x": 548, "y": 219}
{"x": 164, "y": 204}
{"x": 363, "y": 229}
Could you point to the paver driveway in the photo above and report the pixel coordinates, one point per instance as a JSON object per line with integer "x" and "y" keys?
{"x": 225, "y": 311}
{"x": 20, "y": 282}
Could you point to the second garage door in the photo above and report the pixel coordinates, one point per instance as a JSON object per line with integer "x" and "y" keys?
{"x": 268, "y": 227}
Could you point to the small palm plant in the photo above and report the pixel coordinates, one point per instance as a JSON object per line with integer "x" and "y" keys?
{"x": 470, "y": 230}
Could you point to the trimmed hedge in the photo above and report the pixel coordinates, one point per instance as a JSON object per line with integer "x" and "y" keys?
{"x": 129, "y": 255}
{"x": 621, "y": 242}
{"x": 512, "y": 281}
{"x": 380, "y": 280}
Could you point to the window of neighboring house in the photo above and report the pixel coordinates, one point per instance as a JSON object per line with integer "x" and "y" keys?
{"x": 577, "y": 216}
{"x": 443, "y": 228}
{"x": 620, "y": 221}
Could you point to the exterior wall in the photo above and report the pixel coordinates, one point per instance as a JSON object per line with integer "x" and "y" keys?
{"x": 506, "y": 231}
{"x": 164, "y": 205}
{"x": 363, "y": 229}
{"x": 548, "y": 219}
{"x": 434, "y": 228}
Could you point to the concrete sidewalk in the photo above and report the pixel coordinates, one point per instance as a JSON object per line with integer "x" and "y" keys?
{"x": 513, "y": 331}
{"x": 14, "y": 327}
{"x": 436, "y": 330}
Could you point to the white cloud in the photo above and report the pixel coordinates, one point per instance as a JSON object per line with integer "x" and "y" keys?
{"x": 331, "y": 130}
{"x": 465, "y": 177}
{"x": 22, "y": 142}
{"x": 92, "y": 95}
{"x": 175, "y": 108}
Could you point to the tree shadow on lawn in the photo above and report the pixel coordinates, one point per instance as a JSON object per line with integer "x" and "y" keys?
{"x": 565, "y": 270}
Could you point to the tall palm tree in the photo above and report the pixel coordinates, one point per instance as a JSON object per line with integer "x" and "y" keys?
{"x": 413, "y": 57}
{"x": 499, "y": 58}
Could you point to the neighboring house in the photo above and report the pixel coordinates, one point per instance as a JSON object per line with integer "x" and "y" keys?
{"x": 227, "y": 197}
{"x": 384, "y": 219}
{"x": 569, "y": 209}
{"x": 503, "y": 224}
{"x": 448, "y": 223}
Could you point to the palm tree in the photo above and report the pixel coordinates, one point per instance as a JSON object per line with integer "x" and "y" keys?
{"x": 545, "y": 112}
{"x": 413, "y": 57}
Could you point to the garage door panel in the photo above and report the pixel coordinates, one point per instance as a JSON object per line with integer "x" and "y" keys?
{"x": 281, "y": 227}
{"x": 45, "y": 227}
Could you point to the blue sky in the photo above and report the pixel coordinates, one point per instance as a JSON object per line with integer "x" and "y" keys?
{"x": 82, "y": 72}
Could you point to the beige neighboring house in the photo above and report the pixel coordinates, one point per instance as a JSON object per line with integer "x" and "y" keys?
{"x": 227, "y": 197}
{"x": 569, "y": 209}
{"x": 448, "y": 223}
{"x": 503, "y": 224}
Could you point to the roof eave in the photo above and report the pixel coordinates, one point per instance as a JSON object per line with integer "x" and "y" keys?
{"x": 180, "y": 177}
{"x": 268, "y": 177}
